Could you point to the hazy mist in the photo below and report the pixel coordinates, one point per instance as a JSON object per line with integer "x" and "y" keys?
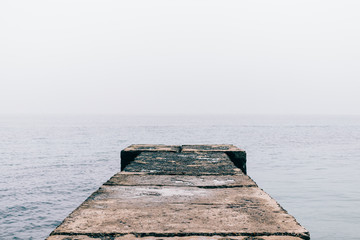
{"x": 179, "y": 57}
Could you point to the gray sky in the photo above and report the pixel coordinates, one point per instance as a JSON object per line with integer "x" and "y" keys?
{"x": 175, "y": 57}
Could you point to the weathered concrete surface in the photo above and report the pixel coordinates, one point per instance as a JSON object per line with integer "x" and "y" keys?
{"x": 236, "y": 155}
{"x": 180, "y": 195}
{"x": 131, "y": 237}
{"x": 204, "y": 181}
{"x": 130, "y": 153}
{"x": 166, "y": 211}
{"x": 189, "y": 163}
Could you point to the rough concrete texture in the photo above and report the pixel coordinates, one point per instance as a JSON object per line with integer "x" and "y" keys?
{"x": 204, "y": 181}
{"x": 210, "y": 148}
{"x": 236, "y": 155}
{"x": 132, "y": 237}
{"x": 152, "y": 148}
{"x": 189, "y": 163}
{"x": 130, "y": 153}
{"x": 180, "y": 195}
{"x": 172, "y": 210}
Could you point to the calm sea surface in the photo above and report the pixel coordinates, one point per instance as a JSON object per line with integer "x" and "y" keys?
{"x": 50, "y": 165}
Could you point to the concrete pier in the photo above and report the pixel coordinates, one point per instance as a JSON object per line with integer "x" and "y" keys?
{"x": 180, "y": 192}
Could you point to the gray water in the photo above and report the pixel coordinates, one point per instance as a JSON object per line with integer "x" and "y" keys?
{"x": 50, "y": 165}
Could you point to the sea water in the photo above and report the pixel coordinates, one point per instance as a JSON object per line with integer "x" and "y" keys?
{"x": 51, "y": 164}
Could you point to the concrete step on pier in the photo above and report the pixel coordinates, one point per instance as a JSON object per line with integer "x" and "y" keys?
{"x": 180, "y": 192}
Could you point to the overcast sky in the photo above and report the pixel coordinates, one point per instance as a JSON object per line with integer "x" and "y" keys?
{"x": 179, "y": 57}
